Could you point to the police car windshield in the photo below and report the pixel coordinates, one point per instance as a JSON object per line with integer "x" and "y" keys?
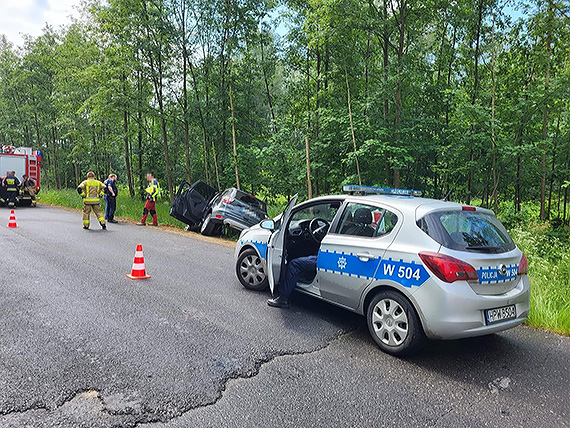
{"x": 467, "y": 231}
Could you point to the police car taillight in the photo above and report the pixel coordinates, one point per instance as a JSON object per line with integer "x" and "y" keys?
{"x": 449, "y": 269}
{"x": 227, "y": 199}
{"x": 468, "y": 208}
{"x": 523, "y": 266}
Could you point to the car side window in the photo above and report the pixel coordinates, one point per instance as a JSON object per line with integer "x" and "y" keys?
{"x": 326, "y": 211}
{"x": 366, "y": 220}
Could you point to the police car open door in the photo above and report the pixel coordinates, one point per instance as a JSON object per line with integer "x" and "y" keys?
{"x": 275, "y": 248}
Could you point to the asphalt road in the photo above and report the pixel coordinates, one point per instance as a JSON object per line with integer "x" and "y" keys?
{"x": 83, "y": 346}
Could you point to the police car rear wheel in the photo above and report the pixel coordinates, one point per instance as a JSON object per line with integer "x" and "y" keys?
{"x": 394, "y": 323}
{"x": 250, "y": 271}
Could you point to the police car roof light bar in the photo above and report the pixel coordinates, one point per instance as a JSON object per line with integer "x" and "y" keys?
{"x": 371, "y": 190}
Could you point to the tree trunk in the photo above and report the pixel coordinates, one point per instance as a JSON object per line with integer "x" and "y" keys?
{"x": 185, "y": 90}
{"x": 128, "y": 153}
{"x": 545, "y": 113}
{"x": 352, "y": 126}
{"x": 317, "y": 92}
{"x": 126, "y": 141}
{"x": 494, "y": 195}
{"x": 402, "y": 15}
{"x": 55, "y": 162}
{"x": 474, "y": 97}
{"x": 234, "y": 144}
{"x": 202, "y": 123}
{"x": 267, "y": 91}
{"x": 553, "y": 169}
{"x": 308, "y": 162}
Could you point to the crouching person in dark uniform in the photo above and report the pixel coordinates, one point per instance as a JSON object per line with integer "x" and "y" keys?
{"x": 296, "y": 268}
{"x": 111, "y": 193}
{"x": 29, "y": 187}
{"x": 12, "y": 185}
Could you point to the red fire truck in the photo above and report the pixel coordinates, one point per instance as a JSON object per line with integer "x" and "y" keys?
{"x": 22, "y": 160}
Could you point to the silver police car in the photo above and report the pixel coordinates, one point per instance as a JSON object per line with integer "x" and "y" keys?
{"x": 416, "y": 268}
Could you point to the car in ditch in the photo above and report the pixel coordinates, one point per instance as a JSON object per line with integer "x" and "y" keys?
{"x": 416, "y": 268}
{"x": 203, "y": 208}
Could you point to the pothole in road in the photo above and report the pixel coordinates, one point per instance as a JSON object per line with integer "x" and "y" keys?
{"x": 86, "y": 408}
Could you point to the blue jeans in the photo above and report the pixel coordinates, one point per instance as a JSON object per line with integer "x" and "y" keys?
{"x": 110, "y": 207}
{"x": 295, "y": 269}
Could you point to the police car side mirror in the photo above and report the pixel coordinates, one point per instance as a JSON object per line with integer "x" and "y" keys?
{"x": 268, "y": 224}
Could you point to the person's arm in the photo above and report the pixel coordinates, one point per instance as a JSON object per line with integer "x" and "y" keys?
{"x": 110, "y": 188}
{"x": 155, "y": 192}
{"x": 81, "y": 189}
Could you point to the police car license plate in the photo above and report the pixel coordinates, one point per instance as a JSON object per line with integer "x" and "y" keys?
{"x": 501, "y": 314}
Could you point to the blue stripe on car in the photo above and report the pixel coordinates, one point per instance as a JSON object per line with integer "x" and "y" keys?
{"x": 491, "y": 275}
{"x": 407, "y": 274}
{"x": 261, "y": 247}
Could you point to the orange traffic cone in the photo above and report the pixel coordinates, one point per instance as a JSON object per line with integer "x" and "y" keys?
{"x": 12, "y": 223}
{"x": 138, "y": 271}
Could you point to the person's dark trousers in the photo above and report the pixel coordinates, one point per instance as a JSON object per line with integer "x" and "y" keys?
{"x": 11, "y": 199}
{"x": 294, "y": 270}
{"x": 110, "y": 207}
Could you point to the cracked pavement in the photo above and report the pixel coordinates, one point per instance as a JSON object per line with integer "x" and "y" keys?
{"x": 83, "y": 346}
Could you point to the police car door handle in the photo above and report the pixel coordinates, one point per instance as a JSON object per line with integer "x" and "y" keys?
{"x": 365, "y": 257}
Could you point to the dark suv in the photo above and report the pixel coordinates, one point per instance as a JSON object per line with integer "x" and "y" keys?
{"x": 199, "y": 205}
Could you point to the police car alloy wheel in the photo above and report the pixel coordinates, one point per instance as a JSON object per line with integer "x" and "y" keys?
{"x": 250, "y": 271}
{"x": 394, "y": 324}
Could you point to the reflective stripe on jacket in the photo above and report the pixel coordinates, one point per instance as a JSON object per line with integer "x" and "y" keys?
{"x": 92, "y": 190}
{"x": 153, "y": 190}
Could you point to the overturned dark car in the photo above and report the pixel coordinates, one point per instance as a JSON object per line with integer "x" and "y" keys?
{"x": 203, "y": 208}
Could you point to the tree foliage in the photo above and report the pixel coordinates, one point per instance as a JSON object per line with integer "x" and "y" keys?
{"x": 467, "y": 99}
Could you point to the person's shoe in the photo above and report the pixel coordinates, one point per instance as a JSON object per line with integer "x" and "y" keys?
{"x": 154, "y": 224}
{"x": 113, "y": 221}
{"x": 104, "y": 226}
{"x": 278, "y": 302}
{"x": 141, "y": 224}
{"x": 86, "y": 227}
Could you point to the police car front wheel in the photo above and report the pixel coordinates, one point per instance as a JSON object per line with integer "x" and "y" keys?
{"x": 394, "y": 323}
{"x": 250, "y": 271}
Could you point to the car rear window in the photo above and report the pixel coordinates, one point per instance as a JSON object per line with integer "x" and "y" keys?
{"x": 251, "y": 200}
{"x": 467, "y": 231}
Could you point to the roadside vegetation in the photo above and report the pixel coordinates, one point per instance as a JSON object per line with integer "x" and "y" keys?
{"x": 548, "y": 252}
{"x": 547, "y": 246}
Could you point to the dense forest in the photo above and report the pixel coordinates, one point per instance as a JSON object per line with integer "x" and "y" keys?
{"x": 465, "y": 99}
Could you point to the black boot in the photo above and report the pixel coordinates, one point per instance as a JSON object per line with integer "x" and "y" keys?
{"x": 279, "y": 302}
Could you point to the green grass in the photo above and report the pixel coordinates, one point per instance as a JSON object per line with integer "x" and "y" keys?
{"x": 548, "y": 253}
{"x": 547, "y": 249}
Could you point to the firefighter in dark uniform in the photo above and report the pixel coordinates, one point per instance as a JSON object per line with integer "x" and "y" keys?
{"x": 12, "y": 186}
{"x": 91, "y": 190}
